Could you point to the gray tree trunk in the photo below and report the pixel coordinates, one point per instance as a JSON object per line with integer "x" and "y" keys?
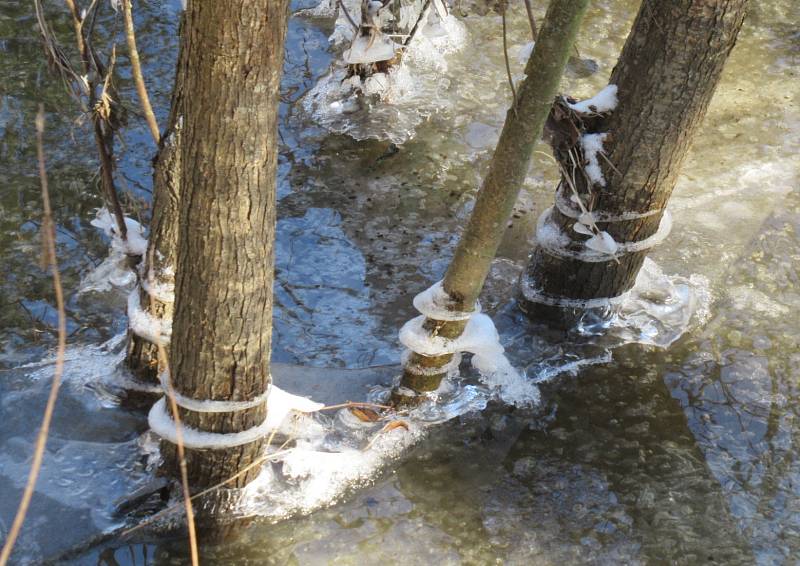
{"x": 666, "y": 76}
{"x": 222, "y": 325}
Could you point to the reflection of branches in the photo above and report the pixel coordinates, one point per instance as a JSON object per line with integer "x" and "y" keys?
{"x": 49, "y": 257}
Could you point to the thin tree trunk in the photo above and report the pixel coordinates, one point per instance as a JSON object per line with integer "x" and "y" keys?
{"x": 157, "y": 275}
{"x": 223, "y": 312}
{"x": 510, "y": 162}
{"x": 666, "y": 76}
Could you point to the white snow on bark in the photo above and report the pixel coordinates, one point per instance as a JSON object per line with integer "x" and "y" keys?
{"x": 603, "y": 101}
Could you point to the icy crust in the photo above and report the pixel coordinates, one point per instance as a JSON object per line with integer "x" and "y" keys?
{"x": 279, "y": 405}
{"x": 657, "y": 311}
{"x": 144, "y": 325}
{"x": 450, "y": 368}
{"x": 603, "y": 101}
{"x": 386, "y": 106}
{"x": 532, "y": 293}
{"x": 598, "y": 248}
{"x": 479, "y": 338}
{"x": 218, "y": 406}
{"x": 313, "y": 474}
{"x": 435, "y": 303}
{"x": 135, "y": 242}
{"x": 114, "y": 270}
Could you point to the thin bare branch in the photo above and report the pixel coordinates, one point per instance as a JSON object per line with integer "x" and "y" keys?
{"x": 49, "y": 244}
{"x": 136, "y": 68}
{"x": 531, "y": 20}
{"x": 347, "y": 15}
{"x": 426, "y": 8}
{"x": 91, "y": 62}
{"x": 355, "y": 404}
{"x": 508, "y": 66}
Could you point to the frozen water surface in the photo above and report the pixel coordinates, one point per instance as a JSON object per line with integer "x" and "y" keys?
{"x": 637, "y": 454}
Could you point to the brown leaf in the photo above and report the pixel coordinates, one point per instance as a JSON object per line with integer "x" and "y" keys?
{"x": 364, "y": 414}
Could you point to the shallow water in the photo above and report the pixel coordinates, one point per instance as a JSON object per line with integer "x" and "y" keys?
{"x": 687, "y": 454}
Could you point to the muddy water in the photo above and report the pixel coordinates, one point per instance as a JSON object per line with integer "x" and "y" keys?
{"x": 688, "y": 454}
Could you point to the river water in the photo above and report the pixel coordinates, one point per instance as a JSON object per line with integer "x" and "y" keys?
{"x": 686, "y": 454}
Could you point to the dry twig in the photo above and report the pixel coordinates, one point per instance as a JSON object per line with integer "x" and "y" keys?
{"x": 531, "y": 20}
{"x": 187, "y": 499}
{"x": 508, "y": 66}
{"x": 136, "y": 68}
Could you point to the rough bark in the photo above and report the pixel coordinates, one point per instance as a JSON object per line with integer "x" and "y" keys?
{"x": 222, "y": 326}
{"x": 666, "y": 76}
{"x": 510, "y": 162}
{"x": 158, "y": 267}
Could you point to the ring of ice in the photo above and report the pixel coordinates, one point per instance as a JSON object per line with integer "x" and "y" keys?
{"x": 479, "y": 337}
{"x": 534, "y": 295}
{"x": 214, "y": 405}
{"x": 553, "y": 241}
{"x": 435, "y": 303}
{"x": 279, "y": 404}
{"x": 564, "y": 207}
{"x": 162, "y": 424}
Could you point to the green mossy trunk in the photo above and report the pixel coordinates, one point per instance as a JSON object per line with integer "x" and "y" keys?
{"x": 510, "y": 162}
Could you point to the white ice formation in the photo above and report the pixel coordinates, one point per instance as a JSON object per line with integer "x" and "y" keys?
{"x": 114, "y": 270}
{"x": 479, "y": 338}
{"x": 279, "y": 405}
{"x": 592, "y": 145}
{"x": 145, "y": 325}
{"x": 600, "y": 247}
{"x": 385, "y": 105}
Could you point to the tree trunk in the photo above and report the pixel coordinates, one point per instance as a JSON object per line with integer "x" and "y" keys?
{"x": 665, "y": 78}
{"x": 223, "y": 312}
{"x": 157, "y": 275}
{"x": 510, "y": 162}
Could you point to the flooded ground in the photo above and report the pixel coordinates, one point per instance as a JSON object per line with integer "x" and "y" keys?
{"x": 689, "y": 454}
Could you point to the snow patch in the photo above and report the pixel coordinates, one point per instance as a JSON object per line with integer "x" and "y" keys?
{"x": 592, "y": 145}
{"x": 435, "y": 303}
{"x": 603, "y": 101}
